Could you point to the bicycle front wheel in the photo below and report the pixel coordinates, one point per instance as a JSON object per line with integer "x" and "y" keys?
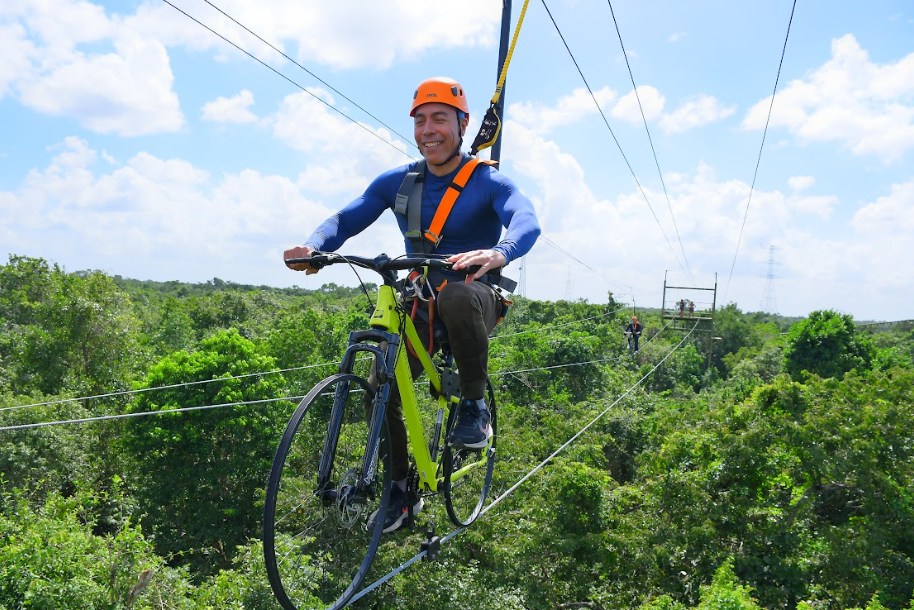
{"x": 319, "y": 538}
{"x": 468, "y": 472}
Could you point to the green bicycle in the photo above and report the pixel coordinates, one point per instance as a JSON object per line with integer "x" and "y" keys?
{"x": 332, "y": 469}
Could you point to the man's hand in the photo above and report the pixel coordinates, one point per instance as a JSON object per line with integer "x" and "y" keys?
{"x": 487, "y": 260}
{"x": 299, "y": 252}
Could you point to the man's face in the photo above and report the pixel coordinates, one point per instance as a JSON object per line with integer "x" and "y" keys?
{"x": 437, "y": 131}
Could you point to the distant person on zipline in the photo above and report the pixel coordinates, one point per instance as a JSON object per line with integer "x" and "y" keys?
{"x": 468, "y": 306}
{"x": 633, "y": 332}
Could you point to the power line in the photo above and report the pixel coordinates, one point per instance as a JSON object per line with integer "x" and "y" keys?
{"x": 649, "y": 139}
{"x": 761, "y": 147}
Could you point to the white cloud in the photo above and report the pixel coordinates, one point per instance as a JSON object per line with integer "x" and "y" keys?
{"x": 16, "y": 50}
{"x": 233, "y": 109}
{"x": 125, "y": 90}
{"x": 307, "y": 124}
{"x": 800, "y": 183}
{"x": 890, "y": 216}
{"x": 867, "y": 107}
{"x": 384, "y": 31}
{"x": 161, "y": 214}
{"x": 627, "y": 108}
{"x": 695, "y": 112}
{"x": 130, "y": 94}
{"x": 373, "y": 34}
{"x": 569, "y": 109}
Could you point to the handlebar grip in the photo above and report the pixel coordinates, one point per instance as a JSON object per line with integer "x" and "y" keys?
{"x": 317, "y": 260}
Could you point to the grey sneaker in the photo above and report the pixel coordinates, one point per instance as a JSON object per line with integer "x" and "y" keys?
{"x": 397, "y": 510}
{"x": 473, "y": 428}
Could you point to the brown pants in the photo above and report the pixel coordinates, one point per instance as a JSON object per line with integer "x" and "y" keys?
{"x": 469, "y": 312}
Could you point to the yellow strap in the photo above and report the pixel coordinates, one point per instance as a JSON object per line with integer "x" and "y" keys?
{"x": 504, "y": 68}
{"x": 491, "y": 123}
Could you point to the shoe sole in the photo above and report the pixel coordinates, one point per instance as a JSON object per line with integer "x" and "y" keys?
{"x": 478, "y": 445}
{"x": 417, "y": 508}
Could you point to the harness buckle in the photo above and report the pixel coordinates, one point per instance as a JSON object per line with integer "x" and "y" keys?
{"x": 432, "y": 237}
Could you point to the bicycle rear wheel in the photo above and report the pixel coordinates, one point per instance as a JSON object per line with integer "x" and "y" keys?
{"x": 318, "y": 540}
{"x": 468, "y": 472}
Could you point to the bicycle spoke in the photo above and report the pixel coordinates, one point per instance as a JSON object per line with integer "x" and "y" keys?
{"x": 316, "y": 543}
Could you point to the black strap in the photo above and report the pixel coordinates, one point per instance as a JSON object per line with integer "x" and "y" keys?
{"x": 411, "y": 191}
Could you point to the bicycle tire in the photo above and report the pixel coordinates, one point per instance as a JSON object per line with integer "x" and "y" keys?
{"x": 319, "y": 546}
{"x": 465, "y": 496}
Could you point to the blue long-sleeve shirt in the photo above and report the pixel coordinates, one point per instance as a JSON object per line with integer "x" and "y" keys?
{"x": 489, "y": 202}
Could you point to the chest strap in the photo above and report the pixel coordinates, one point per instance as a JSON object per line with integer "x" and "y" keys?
{"x": 409, "y": 203}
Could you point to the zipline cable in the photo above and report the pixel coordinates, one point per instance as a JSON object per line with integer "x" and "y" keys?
{"x": 545, "y": 239}
{"x": 761, "y": 147}
{"x": 280, "y": 74}
{"x": 165, "y": 387}
{"x": 98, "y": 418}
{"x": 331, "y": 87}
{"x": 171, "y": 386}
{"x": 649, "y": 139}
{"x": 406, "y": 564}
{"x": 84, "y": 420}
{"x": 613, "y": 134}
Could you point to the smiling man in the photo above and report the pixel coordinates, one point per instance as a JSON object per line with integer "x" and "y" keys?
{"x": 490, "y": 224}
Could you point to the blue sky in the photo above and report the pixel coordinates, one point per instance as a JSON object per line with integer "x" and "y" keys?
{"x": 135, "y": 141}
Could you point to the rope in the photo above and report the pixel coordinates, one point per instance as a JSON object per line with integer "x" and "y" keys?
{"x": 504, "y": 68}
{"x": 162, "y": 387}
{"x": 490, "y": 127}
{"x": 406, "y": 564}
{"x": 761, "y": 147}
{"x": 84, "y": 420}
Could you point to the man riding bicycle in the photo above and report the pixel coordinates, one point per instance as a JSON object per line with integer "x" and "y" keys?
{"x": 470, "y": 236}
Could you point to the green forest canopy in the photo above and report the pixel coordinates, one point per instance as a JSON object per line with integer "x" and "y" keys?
{"x": 770, "y": 468}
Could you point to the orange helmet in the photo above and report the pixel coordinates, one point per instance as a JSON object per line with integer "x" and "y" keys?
{"x": 440, "y": 89}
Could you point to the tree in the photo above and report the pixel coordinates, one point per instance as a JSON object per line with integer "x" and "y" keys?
{"x": 50, "y": 558}
{"x": 735, "y": 332}
{"x": 199, "y": 474}
{"x": 70, "y": 332}
{"x": 826, "y": 344}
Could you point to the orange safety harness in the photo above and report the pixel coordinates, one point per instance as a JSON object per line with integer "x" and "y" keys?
{"x": 409, "y": 203}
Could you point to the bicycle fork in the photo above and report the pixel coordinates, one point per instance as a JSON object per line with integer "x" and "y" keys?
{"x": 362, "y": 486}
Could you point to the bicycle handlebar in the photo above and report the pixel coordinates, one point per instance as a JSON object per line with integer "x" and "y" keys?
{"x": 387, "y": 267}
{"x": 381, "y": 263}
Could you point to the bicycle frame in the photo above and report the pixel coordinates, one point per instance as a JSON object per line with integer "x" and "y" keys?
{"x": 390, "y": 326}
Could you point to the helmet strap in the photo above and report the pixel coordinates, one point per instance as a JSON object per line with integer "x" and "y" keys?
{"x": 460, "y": 116}
{"x": 453, "y": 154}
